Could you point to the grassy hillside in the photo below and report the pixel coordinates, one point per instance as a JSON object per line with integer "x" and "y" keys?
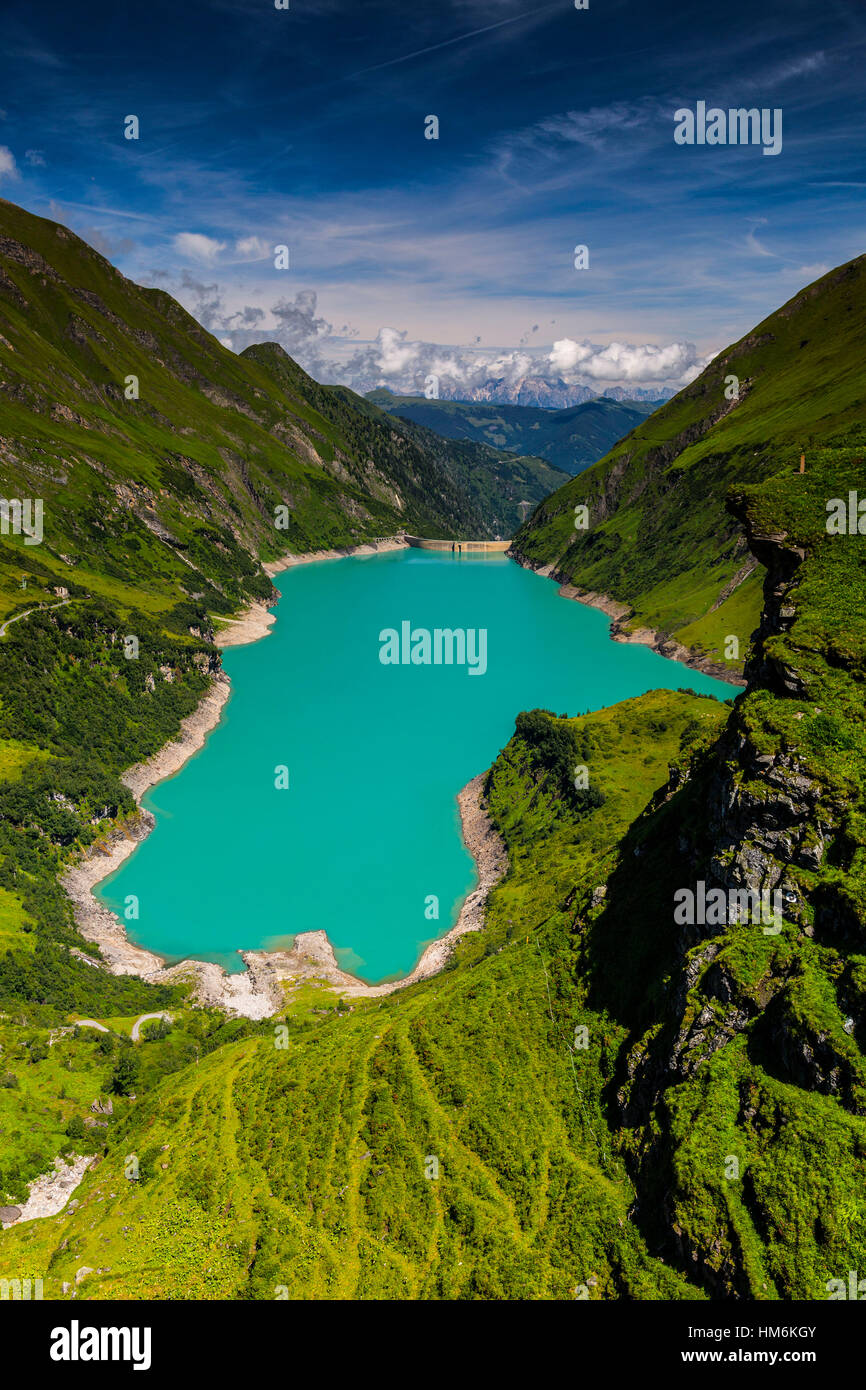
{"x": 158, "y": 511}
{"x": 497, "y": 488}
{"x": 616, "y": 1105}
{"x": 305, "y": 1167}
{"x": 569, "y": 439}
{"x": 659, "y": 538}
{"x": 171, "y": 497}
{"x": 705, "y": 1136}
{"x": 595, "y": 1099}
{"x": 157, "y": 514}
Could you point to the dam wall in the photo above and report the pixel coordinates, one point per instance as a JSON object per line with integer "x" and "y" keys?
{"x": 457, "y": 547}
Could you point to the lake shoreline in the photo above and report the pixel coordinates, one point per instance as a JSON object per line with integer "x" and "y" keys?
{"x": 258, "y": 992}
{"x": 619, "y": 613}
{"x": 256, "y": 620}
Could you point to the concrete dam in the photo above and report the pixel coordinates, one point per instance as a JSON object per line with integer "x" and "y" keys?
{"x": 457, "y": 547}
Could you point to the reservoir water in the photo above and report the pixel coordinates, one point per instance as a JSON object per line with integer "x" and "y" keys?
{"x": 367, "y": 830}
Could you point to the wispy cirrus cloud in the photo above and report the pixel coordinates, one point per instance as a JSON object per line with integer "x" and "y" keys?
{"x": 411, "y": 255}
{"x": 461, "y": 38}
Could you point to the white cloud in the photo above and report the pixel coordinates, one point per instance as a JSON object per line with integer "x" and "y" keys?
{"x": 798, "y": 67}
{"x": 198, "y": 246}
{"x": 806, "y": 274}
{"x": 676, "y": 363}
{"x": 600, "y": 124}
{"x": 463, "y": 372}
{"x": 8, "y": 167}
{"x": 253, "y": 248}
{"x": 35, "y": 158}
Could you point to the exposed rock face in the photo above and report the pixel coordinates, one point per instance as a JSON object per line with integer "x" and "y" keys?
{"x": 760, "y": 816}
{"x": 765, "y": 815}
{"x": 783, "y": 562}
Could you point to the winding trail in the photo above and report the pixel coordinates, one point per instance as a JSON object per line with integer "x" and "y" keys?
{"x": 136, "y": 1027}
{"x": 39, "y": 608}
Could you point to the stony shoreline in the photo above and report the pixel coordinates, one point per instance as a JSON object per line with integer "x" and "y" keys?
{"x": 312, "y": 955}
{"x": 258, "y": 992}
{"x": 288, "y": 562}
{"x": 620, "y": 613}
{"x": 257, "y": 620}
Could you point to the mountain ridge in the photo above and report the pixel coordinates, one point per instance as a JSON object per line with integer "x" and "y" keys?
{"x": 658, "y": 537}
{"x": 570, "y": 438}
{"x": 596, "y": 1099}
{"x": 161, "y": 455}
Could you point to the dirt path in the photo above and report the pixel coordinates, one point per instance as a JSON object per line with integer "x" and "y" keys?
{"x": 39, "y": 608}
{"x": 144, "y": 1018}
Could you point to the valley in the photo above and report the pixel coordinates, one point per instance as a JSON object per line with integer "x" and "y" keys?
{"x": 588, "y": 1097}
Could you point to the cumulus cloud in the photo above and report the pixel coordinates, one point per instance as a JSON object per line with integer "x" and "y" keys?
{"x": 247, "y": 317}
{"x": 565, "y": 374}
{"x": 299, "y": 323}
{"x": 197, "y": 246}
{"x": 394, "y": 359}
{"x": 675, "y": 363}
{"x": 207, "y": 302}
{"x": 8, "y": 167}
{"x": 293, "y": 323}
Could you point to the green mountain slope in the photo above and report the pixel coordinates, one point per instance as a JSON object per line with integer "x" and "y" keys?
{"x": 658, "y": 538}
{"x": 570, "y": 439}
{"x": 616, "y": 1104}
{"x": 597, "y": 1099}
{"x": 497, "y": 488}
{"x": 305, "y": 1167}
{"x": 157, "y": 514}
{"x": 593, "y": 1101}
{"x": 174, "y": 493}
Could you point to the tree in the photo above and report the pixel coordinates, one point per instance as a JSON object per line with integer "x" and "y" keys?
{"x": 125, "y": 1074}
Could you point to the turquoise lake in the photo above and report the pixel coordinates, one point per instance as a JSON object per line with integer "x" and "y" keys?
{"x": 368, "y": 828}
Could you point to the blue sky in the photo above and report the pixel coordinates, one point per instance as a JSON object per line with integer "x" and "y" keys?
{"x": 305, "y": 127}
